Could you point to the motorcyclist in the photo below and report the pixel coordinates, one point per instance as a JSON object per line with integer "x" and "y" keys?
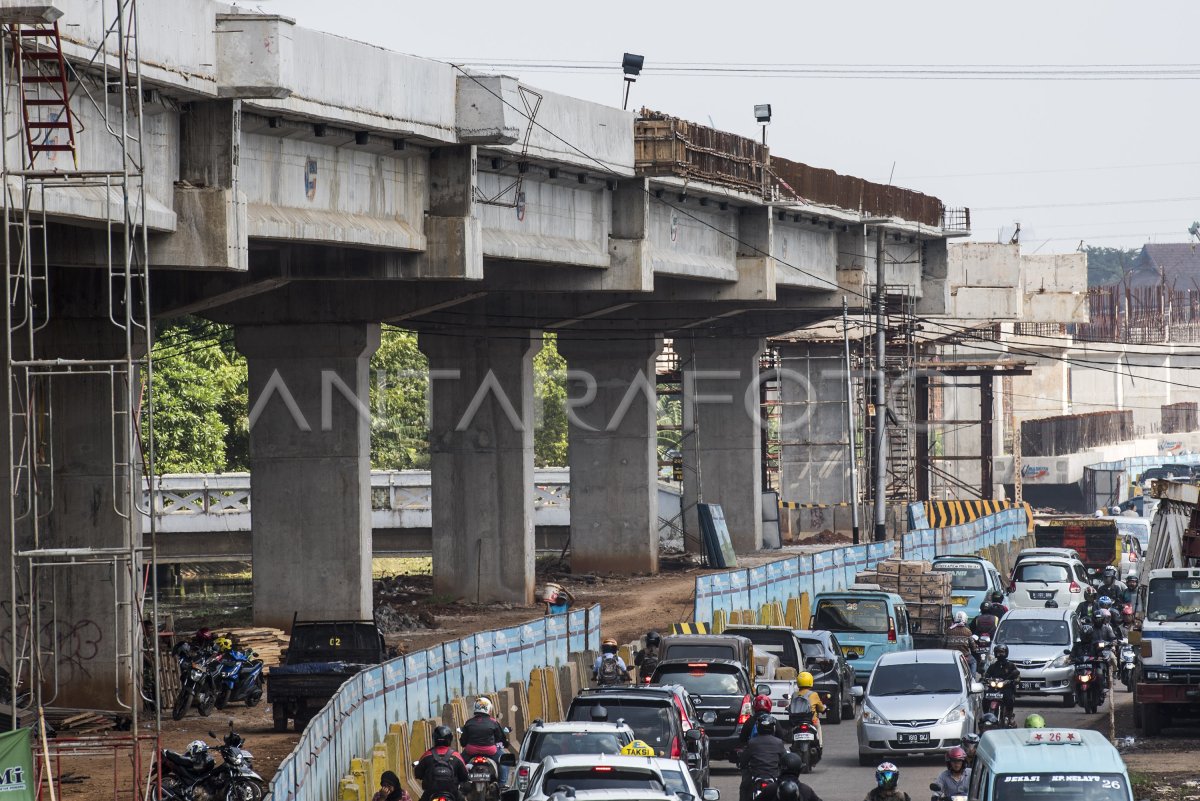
{"x": 441, "y": 769}
{"x": 762, "y": 757}
{"x": 970, "y": 744}
{"x": 1087, "y": 607}
{"x": 1102, "y": 630}
{"x": 1087, "y": 647}
{"x": 999, "y": 609}
{"x": 483, "y": 735}
{"x": 985, "y": 622}
{"x": 804, "y": 683}
{"x": 607, "y": 674}
{"x": 789, "y": 773}
{"x": 762, "y": 706}
{"x": 1001, "y": 668}
{"x": 958, "y": 637}
{"x": 1131, "y": 587}
{"x": 887, "y": 777}
{"x": 1109, "y": 585}
{"x": 1110, "y": 615}
{"x": 956, "y": 778}
{"x": 648, "y": 658}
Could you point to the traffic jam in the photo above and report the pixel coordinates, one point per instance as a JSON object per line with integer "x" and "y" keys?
{"x": 1003, "y": 702}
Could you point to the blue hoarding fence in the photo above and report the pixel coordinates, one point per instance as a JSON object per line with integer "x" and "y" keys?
{"x": 415, "y": 686}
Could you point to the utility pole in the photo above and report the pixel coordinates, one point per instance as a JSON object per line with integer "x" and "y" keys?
{"x": 880, "y": 393}
{"x": 850, "y": 456}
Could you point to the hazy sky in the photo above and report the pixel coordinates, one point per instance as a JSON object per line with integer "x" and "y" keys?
{"x": 1113, "y": 162}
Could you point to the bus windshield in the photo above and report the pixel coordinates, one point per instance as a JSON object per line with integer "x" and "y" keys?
{"x": 1174, "y": 599}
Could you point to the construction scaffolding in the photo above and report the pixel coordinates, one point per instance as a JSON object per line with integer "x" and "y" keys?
{"x": 46, "y": 102}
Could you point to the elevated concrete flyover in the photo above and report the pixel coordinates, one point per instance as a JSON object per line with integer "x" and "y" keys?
{"x": 306, "y": 206}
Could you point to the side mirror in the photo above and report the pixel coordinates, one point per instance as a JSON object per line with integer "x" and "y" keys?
{"x": 693, "y": 735}
{"x": 1067, "y": 651}
{"x": 934, "y": 786}
{"x": 976, "y": 687}
{"x": 786, "y": 696}
{"x": 507, "y": 730}
{"x": 711, "y": 794}
{"x": 762, "y": 689}
{"x": 508, "y": 760}
{"x": 856, "y": 692}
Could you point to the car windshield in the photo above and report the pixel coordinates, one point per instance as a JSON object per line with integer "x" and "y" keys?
{"x": 963, "y": 575}
{"x": 600, "y": 777}
{"x": 650, "y": 720}
{"x": 1043, "y": 572}
{"x": 702, "y": 679}
{"x": 868, "y": 615}
{"x": 1061, "y": 786}
{"x": 1174, "y": 599}
{"x": 915, "y": 678}
{"x": 1032, "y": 631}
{"x": 772, "y": 641}
{"x": 559, "y": 743}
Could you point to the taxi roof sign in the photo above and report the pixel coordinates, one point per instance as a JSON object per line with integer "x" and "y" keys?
{"x": 1054, "y": 737}
{"x": 638, "y": 748}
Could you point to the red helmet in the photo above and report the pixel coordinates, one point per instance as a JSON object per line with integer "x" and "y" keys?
{"x": 762, "y": 703}
{"x": 956, "y": 753}
{"x": 205, "y": 635}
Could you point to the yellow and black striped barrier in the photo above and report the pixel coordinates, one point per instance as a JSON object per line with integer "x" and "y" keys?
{"x": 794, "y": 505}
{"x": 689, "y": 628}
{"x": 941, "y": 514}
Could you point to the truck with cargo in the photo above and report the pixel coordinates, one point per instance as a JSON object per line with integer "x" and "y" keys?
{"x": 1166, "y": 634}
{"x": 1093, "y": 538}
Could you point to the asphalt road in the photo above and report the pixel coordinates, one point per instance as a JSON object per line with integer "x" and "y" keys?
{"x": 838, "y": 776}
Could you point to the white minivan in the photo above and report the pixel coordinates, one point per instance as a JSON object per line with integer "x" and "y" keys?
{"x": 1047, "y": 582}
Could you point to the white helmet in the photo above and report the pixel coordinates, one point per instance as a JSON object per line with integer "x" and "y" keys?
{"x": 196, "y": 748}
{"x": 1115, "y": 511}
{"x": 483, "y": 706}
{"x": 960, "y": 617}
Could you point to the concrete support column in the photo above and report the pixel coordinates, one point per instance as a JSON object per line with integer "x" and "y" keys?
{"x": 722, "y": 450}
{"x": 310, "y": 456}
{"x": 453, "y": 236}
{"x": 481, "y": 448}
{"x": 613, "y": 453}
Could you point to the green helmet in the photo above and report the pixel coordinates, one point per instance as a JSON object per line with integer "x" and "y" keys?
{"x": 1035, "y": 721}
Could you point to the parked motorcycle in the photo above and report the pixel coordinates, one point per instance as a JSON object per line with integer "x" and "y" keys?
{"x": 195, "y": 776}
{"x": 805, "y": 736}
{"x": 197, "y": 682}
{"x": 995, "y": 701}
{"x": 240, "y": 678}
{"x": 236, "y": 773}
{"x": 1127, "y": 662}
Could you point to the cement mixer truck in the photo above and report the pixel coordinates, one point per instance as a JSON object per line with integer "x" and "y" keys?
{"x": 1167, "y": 610}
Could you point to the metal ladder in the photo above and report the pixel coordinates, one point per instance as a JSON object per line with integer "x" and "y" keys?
{"x": 45, "y": 98}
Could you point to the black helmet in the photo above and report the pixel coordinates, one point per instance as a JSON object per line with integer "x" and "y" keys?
{"x": 599, "y": 714}
{"x": 997, "y": 597}
{"x": 1085, "y": 635}
{"x": 442, "y": 736}
{"x": 788, "y": 791}
{"x": 985, "y": 608}
{"x": 653, "y": 638}
{"x": 1001, "y": 652}
{"x": 766, "y": 724}
{"x": 792, "y": 764}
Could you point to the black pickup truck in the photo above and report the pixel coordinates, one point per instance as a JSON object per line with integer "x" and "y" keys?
{"x": 322, "y": 654}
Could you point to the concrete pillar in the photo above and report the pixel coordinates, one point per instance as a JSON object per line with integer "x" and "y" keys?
{"x": 85, "y": 616}
{"x": 613, "y": 453}
{"x": 721, "y": 446}
{"x": 481, "y": 448}
{"x": 813, "y": 457}
{"x": 454, "y": 242}
{"x": 310, "y": 456}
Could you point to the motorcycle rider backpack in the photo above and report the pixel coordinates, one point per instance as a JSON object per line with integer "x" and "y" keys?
{"x": 609, "y": 672}
{"x": 441, "y": 773}
{"x": 649, "y": 661}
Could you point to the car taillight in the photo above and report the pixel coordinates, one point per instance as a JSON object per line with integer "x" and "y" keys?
{"x": 744, "y": 715}
{"x": 891, "y": 630}
{"x": 676, "y": 753}
{"x": 1074, "y": 587}
{"x": 646, "y": 680}
{"x": 523, "y": 772}
{"x": 479, "y": 760}
{"x": 603, "y": 768}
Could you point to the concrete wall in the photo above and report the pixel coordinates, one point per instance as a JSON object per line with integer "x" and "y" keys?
{"x": 812, "y": 464}
{"x": 701, "y": 243}
{"x": 559, "y": 221}
{"x": 805, "y": 248}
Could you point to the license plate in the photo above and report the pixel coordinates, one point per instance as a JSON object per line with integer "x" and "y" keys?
{"x": 1041, "y": 595}
{"x": 918, "y": 738}
{"x": 480, "y": 774}
{"x": 853, "y": 649}
{"x": 993, "y": 695}
{"x": 804, "y": 735}
{"x": 958, "y": 600}
{"x": 1025, "y": 685}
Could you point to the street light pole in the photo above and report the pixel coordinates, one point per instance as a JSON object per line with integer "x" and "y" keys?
{"x": 850, "y": 432}
{"x": 880, "y": 393}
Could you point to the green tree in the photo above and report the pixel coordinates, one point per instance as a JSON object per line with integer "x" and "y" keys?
{"x": 399, "y": 386}
{"x": 550, "y": 398}
{"x": 1108, "y": 265}
{"x": 199, "y": 392}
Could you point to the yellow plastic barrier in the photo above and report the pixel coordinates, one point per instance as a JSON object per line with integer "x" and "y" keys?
{"x": 553, "y": 698}
{"x": 397, "y": 749}
{"x": 537, "y": 695}
{"x": 720, "y": 621}
{"x": 360, "y": 771}
{"x": 348, "y": 790}
{"x": 771, "y": 614}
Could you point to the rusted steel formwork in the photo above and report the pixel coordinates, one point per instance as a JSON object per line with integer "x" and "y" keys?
{"x": 1179, "y": 417}
{"x": 1054, "y": 436}
{"x": 666, "y": 145}
{"x": 1141, "y": 315}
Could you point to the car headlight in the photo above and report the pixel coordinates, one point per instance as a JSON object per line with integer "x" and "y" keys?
{"x": 1060, "y": 661}
{"x": 869, "y": 715}
{"x": 954, "y": 715}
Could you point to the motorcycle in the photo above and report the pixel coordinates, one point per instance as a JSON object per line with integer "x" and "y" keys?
{"x": 805, "y": 736}
{"x": 197, "y": 776}
{"x": 988, "y": 722}
{"x": 1090, "y": 680}
{"x": 197, "y": 682}
{"x": 236, "y": 773}
{"x": 1127, "y": 662}
{"x": 938, "y": 795}
{"x": 980, "y": 650}
{"x": 239, "y": 678}
{"x": 759, "y": 785}
{"x": 483, "y": 774}
{"x": 995, "y": 693}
